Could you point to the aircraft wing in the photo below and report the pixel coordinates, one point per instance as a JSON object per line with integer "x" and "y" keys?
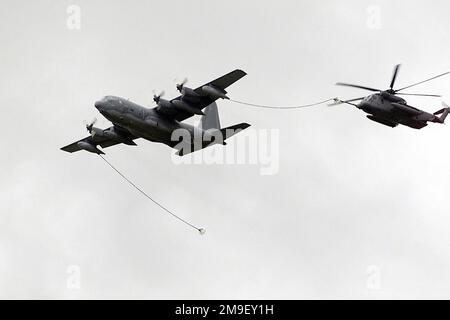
{"x": 104, "y": 142}
{"x": 204, "y": 100}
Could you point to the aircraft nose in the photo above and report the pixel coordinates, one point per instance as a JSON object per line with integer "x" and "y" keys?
{"x": 99, "y": 105}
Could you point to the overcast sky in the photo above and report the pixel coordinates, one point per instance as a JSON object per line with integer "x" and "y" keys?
{"x": 357, "y": 209}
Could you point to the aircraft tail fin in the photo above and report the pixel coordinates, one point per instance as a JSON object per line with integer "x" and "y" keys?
{"x": 210, "y": 124}
{"x": 211, "y": 121}
{"x": 443, "y": 112}
{"x": 211, "y": 118}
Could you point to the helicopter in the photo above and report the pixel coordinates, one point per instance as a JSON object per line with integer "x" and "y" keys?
{"x": 387, "y": 108}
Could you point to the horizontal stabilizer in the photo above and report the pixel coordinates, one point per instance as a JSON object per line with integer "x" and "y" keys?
{"x": 231, "y": 131}
{"x": 226, "y": 133}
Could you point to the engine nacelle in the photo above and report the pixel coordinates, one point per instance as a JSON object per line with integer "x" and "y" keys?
{"x": 188, "y": 92}
{"x": 214, "y": 92}
{"x": 184, "y": 106}
{"x": 96, "y": 132}
{"x": 89, "y": 147}
{"x": 165, "y": 107}
{"x": 393, "y": 98}
{"x": 112, "y": 135}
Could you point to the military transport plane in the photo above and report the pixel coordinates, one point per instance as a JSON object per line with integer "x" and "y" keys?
{"x": 387, "y": 108}
{"x": 132, "y": 121}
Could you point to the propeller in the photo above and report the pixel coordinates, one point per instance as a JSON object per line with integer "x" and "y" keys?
{"x": 157, "y": 97}
{"x": 181, "y": 84}
{"x": 91, "y": 125}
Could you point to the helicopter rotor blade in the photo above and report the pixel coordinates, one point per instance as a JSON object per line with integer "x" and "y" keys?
{"x": 357, "y": 86}
{"x": 415, "y": 84}
{"x": 394, "y": 76}
{"x": 419, "y": 95}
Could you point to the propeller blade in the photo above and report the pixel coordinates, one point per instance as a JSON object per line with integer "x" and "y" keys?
{"x": 418, "y": 95}
{"x": 181, "y": 84}
{"x": 415, "y": 84}
{"x": 90, "y": 125}
{"x": 394, "y": 76}
{"x": 356, "y": 86}
{"x": 160, "y": 94}
{"x": 156, "y": 97}
{"x": 185, "y": 80}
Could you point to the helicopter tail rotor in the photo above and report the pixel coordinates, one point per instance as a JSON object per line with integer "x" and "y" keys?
{"x": 443, "y": 112}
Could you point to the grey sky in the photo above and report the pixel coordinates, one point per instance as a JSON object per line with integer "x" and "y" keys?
{"x": 350, "y": 193}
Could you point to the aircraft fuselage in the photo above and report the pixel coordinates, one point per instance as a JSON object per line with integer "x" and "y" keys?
{"x": 392, "y": 110}
{"x": 140, "y": 121}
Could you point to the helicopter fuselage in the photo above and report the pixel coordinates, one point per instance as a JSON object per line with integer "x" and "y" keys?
{"x": 391, "y": 110}
{"x": 386, "y": 107}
